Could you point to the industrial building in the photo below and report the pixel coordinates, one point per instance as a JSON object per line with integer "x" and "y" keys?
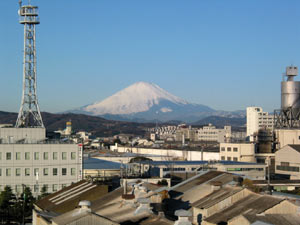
{"x": 287, "y": 161}
{"x": 287, "y": 118}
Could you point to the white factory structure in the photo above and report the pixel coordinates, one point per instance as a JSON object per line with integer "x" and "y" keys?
{"x": 258, "y": 119}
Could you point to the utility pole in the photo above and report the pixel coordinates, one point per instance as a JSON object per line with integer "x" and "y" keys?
{"x": 24, "y": 202}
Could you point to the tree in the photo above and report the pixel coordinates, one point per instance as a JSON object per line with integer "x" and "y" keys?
{"x": 6, "y": 201}
{"x": 44, "y": 192}
{"x": 28, "y": 201}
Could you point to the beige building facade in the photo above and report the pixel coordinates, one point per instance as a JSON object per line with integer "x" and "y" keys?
{"x": 240, "y": 152}
{"x": 287, "y": 161}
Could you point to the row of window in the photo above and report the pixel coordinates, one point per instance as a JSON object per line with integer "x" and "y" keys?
{"x": 36, "y": 188}
{"x": 27, "y": 172}
{"x": 229, "y": 149}
{"x": 288, "y": 168}
{"x": 36, "y": 156}
{"x": 174, "y": 169}
{"x": 245, "y": 169}
{"x": 229, "y": 158}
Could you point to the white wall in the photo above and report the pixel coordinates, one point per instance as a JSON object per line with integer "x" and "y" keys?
{"x": 185, "y": 155}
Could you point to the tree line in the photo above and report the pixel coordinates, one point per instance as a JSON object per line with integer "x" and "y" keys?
{"x": 17, "y": 209}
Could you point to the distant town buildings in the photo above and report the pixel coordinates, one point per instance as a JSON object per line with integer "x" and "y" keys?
{"x": 211, "y": 133}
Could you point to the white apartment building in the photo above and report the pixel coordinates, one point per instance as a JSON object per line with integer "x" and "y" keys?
{"x": 26, "y": 158}
{"x": 211, "y": 133}
{"x": 257, "y": 119}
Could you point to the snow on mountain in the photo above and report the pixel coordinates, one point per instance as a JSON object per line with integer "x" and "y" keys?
{"x": 139, "y": 97}
{"x": 144, "y": 101}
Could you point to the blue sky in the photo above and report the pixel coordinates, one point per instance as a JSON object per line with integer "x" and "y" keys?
{"x": 227, "y": 54}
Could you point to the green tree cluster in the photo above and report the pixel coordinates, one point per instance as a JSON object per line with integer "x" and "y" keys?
{"x": 15, "y": 209}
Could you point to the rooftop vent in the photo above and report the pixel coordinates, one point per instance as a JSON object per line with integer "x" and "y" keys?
{"x": 183, "y": 217}
{"x": 144, "y": 206}
{"x": 85, "y": 205}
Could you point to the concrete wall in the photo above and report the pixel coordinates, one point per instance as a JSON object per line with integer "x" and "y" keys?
{"x": 101, "y": 173}
{"x": 182, "y": 154}
{"x": 287, "y": 137}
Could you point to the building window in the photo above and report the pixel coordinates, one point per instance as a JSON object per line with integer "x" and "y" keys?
{"x": 235, "y": 159}
{"x": 63, "y": 185}
{"x": 0, "y": 155}
{"x": 36, "y": 188}
{"x": 46, "y": 171}
{"x": 55, "y": 155}
{"x": 46, "y": 156}
{"x": 54, "y": 171}
{"x": 18, "y": 172}
{"x": 64, "y": 171}
{"x": 73, "y": 155}
{"x": 228, "y": 158}
{"x": 0, "y": 173}
{"x": 18, "y": 155}
{"x": 64, "y": 155}
{"x": 8, "y": 155}
{"x": 8, "y": 172}
{"x": 27, "y": 155}
{"x": 19, "y": 188}
{"x": 36, "y": 156}
{"x": 54, "y": 187}
{"x": 222, "y": 157}
{"x": 223, "y": 149}
{"x": 46, "y": 188}
{"x": 235, "y": 149}
{"x": 27, "y": 171}
{"x": 73, "y": 170}
{"x": 228, "y": 149}
{"x": 36, "y": 172}
{"x": 284, "y": 163}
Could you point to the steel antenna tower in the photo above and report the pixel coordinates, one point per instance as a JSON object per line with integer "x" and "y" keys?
{"x": 29, "y": 114}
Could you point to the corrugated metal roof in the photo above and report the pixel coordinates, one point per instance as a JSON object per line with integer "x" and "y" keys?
{"x": 99, "y": 164}
{"x": 253, "y": 203}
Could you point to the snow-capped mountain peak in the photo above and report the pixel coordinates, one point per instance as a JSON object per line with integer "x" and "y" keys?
{"x": 139, "y": 97}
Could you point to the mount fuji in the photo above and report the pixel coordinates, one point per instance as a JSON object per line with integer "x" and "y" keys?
{"x": 144, "y": 101}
